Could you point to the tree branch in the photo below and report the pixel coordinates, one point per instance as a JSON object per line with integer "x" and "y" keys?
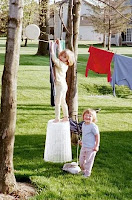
{"x": 114, "y": 9}
{"x": 62, "y": 18}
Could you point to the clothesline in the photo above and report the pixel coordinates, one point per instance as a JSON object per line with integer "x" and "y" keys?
{"x": 99, "y": 61}
{"x": 47, "y": 41}
{"x": 43, "y": 41}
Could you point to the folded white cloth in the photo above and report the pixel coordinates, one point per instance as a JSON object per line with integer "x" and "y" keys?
{"x": 72, "y": 168}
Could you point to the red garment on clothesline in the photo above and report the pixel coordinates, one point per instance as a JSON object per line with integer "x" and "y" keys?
{"x": 99, "y": 61}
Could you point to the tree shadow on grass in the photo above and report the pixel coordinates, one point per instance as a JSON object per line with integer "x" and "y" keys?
{"x": 33, "y": 107}
{"x": 28, "y": 59}
{"x": 112, "y": 167}
{"x": 2, "y": 45}
{"x": 110, "y": 109}
{"x": 32, "y": 88}
{"x": 2, "y": 58}
{"x": 121, "y": 91}
{"x": 115, "y": 154}
{"x": 29, "y": 45}
{"x": 28, "y": 157}
{"x": 34, "y": 60}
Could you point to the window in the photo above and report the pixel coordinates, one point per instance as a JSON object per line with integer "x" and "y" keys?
{"x": 52, "y": 30}
{"x": 129, "y": 35}
{"x": 112, "y": 36}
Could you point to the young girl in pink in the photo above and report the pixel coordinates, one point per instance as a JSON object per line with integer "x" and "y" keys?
{"x": 90, "y": 141}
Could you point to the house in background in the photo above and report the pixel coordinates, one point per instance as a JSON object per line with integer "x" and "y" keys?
{"x": 127, "y": 35}
{"x": 86, "y": 30}
{"x": 124, "y": 38}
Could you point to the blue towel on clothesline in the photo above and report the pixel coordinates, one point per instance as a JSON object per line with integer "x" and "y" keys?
{"x": 122, "y": 74}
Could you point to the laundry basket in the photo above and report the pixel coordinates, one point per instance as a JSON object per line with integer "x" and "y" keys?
{"x": 58, "y": 142}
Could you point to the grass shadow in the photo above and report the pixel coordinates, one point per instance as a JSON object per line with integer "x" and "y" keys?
{"x": 30, "y": 148}
{"x": 33, "y": 107}
{"x": 32, "y": 88}
{"x": 96, "y": 89}
{"x": 2, "y": 58}
{"x": 112, "y": 165}
{"x": 2, "y": 45}
{"x": 29, "y": 45}
{"x": 27, "y": 59}
{"x": 34, "y": 60}
{"x": 111, "y": 109}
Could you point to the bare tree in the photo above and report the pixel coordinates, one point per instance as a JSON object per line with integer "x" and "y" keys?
{"x": 44, "y": 27}
{"x": 3, "y": 17}
{"x": 110, "y": 18}
{"x": 9, "y": 97}
{"x": 73, "y": 23}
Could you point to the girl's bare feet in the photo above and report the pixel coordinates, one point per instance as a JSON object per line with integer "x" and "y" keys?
{"x": 56, "y": 120}
{"x": 65, "y": 119}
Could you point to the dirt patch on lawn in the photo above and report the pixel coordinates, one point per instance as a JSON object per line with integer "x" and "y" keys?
{"x": 24, "y": 191}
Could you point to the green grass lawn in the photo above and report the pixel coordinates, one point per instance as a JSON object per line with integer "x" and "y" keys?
{"x": 111, "y": 175}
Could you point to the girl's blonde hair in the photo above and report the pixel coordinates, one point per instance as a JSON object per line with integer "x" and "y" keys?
{"x": 70, "y": 55}
{"x": 92, "y": 112}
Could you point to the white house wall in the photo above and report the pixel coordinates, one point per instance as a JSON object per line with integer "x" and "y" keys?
{"x": 87, "y": 33}
{"x": 85, "y": 10}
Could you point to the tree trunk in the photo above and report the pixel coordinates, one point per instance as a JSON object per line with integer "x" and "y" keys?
{"x": 61, "y": 34}
{"x": 69, "y": 33}
{"x": 25, "y": 45}
{"x": 104, "y": 40}
{"x": 69, "y": 45}
{"x": 109, "y": 33}
{"x": 104, "y": 35}
{"x": 9, "y": 97}
{"x": 72, "y": 43}
{"x": 109, "y": 39}
{"x": 44, "y": 28}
